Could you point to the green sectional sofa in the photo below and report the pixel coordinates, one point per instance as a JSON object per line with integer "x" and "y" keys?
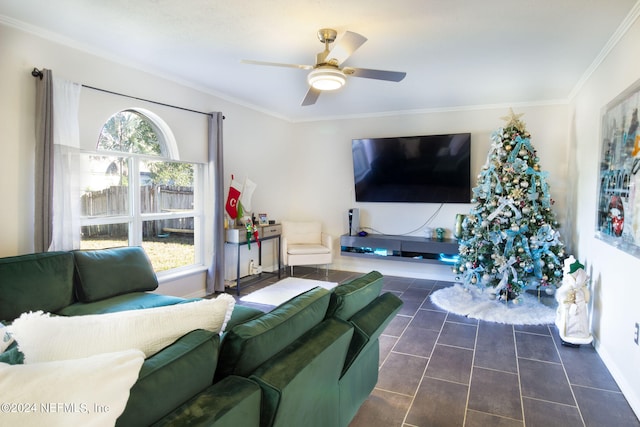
{"x": 106, "y": 281}
{"x": 311, "y": 361}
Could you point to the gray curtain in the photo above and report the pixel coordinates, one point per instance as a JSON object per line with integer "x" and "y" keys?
{"x": 215, "y": 272}
{"x": 44, "y": 162}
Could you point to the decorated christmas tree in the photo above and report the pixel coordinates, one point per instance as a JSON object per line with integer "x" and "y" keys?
{"x": 509, "y": 241}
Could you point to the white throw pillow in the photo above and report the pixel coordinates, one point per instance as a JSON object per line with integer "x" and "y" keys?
{"x": 92, "y": 391}
{"x": 43, "y": 338}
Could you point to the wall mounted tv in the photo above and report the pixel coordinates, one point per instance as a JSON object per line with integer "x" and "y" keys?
{"x": 413, "y": 169}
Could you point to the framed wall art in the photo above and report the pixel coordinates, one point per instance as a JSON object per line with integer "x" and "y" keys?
{"x": 618, "y": 212}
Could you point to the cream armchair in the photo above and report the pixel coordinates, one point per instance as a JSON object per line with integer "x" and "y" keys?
{"x": 304, "y": 243}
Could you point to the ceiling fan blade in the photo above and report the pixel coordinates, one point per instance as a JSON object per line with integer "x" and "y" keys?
{"x": 277, "y": 64}
{"x": 367, "y": 73}
{"x": 348, "y": 44}
{"x": 311, "y": 97}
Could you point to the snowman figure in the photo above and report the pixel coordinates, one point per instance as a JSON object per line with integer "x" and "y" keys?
{"x": 572, "y": 318}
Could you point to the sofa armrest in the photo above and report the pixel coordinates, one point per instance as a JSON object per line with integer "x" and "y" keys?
{"x": 370, "y": 322}
{"x": 314, "y": 359}
{"x": 374, "y": 318}
{"x": 250, "y": 344}
{"x": 327, "y": 241}
{"x": 232, "y": 402}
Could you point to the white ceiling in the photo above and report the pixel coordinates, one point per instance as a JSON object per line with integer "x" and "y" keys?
{"x": 457, "y": 53}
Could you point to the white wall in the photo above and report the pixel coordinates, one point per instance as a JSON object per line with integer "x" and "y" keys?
{"x": 616, "y": 290}
{"x": 303, "y": 170}
{"x": 248, "y": 134}
{"x": 324, "y": 187}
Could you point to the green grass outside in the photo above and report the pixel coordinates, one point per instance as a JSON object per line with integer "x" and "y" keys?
{"x": 175, "y": 250}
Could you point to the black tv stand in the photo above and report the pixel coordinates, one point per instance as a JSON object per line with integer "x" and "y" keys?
{"x": 399, "y": 248}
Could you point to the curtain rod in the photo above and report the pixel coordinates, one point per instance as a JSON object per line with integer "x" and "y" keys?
{"x": 37, "y": 73}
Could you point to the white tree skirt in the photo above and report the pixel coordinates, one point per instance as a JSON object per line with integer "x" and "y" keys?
{"x": 477, "y": 304}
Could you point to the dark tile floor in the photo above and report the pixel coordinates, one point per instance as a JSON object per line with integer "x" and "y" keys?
{"x": 440, "y": 369}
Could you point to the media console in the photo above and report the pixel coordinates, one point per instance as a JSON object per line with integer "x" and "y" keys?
{"x": 400, "y": 248}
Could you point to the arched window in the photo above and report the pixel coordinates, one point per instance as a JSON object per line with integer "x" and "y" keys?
{"x": 136, "y": 191}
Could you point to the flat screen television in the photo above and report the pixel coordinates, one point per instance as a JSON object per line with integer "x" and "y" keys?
{"x": 413, "y": 169}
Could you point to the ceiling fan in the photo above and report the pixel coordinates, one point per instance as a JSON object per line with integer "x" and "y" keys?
{"x": 327, "y": 74}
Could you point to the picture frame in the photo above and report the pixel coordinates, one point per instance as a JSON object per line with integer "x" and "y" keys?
{"x": 618, "y": 210}
{"x": 263, "y": 219}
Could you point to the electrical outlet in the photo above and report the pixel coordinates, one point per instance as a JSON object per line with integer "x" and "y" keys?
{"x": 636, "y": 335}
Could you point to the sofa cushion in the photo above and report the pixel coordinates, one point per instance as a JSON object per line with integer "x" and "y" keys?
{"x": 350, "y": 297}
{"x": 103, "y": 273}
{"x": 171, "y": 377}
{"x": 42, "y": 337}
{"x": 248, "y": 345}
{"x": 307, "y": 249}
{"x": 41, "y": 281}
{"x": 131, "y": 301}
{"x": 83, "y": 386}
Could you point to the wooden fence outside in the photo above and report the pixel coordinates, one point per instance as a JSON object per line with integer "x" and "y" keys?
{"x": 114, "y": 201}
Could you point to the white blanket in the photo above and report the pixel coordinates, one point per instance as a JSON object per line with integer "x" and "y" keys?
{"x": 42, "y": 337}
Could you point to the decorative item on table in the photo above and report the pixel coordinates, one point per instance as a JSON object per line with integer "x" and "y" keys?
{"x": 457, "y": 230}
{"x": 428, "y": 232}
{"x": 263, "y": 219}
{"x": 572, "y": 317}
{"x": 440, "y": 234}
{"x": 252, "y": 229}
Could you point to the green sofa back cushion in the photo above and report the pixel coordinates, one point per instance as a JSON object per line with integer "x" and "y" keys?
{"x": 42, "y": 281}
{"x": 350, "y": 297}
{"x": 250, "y": 344}
{"x": 104, "y": 273}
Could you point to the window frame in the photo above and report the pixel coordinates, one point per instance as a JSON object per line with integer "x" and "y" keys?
{"x": 135, "y": 218}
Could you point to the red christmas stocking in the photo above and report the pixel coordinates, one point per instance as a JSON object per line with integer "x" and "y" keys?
{"x": 232, "y": 199}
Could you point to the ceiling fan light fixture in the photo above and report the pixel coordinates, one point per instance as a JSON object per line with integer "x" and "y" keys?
{"x": 326, "y": 78}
